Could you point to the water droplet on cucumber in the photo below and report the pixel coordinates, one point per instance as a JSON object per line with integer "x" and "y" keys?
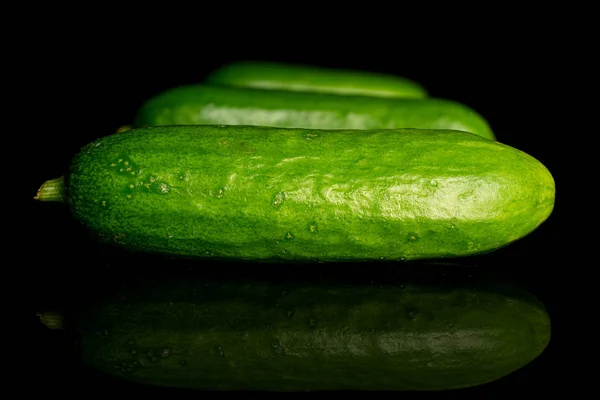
{"x": 165, "y": 352}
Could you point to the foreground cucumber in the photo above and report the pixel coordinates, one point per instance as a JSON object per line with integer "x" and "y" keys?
{"x": 260, "y": 193}
{"x": 307, "y": 78}
{"x": 305, "y": 337}
{"x": 204, "y": 104}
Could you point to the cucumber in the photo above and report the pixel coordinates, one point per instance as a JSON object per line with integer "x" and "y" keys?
{"x": 205, "y": 104}
{"x": 312, "y": 336}
{"x": 308, "y": 78}
{"x": 273, "y": 194}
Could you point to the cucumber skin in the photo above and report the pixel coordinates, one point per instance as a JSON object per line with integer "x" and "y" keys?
{"x": 307, "y": 78}
{"x": 307, "y": 337}
{"x": 207, "y": 105}
{"x": 274, "y": 194}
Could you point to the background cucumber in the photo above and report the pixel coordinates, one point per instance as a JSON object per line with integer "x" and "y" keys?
{"x": 205, "y": 104}
{"x": 260, "y": 193}
{"x": 308, "y": 78}
{"x": 282, "y": 336}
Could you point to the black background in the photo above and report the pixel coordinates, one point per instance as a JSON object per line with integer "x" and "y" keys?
{"x": 87, "y": 85}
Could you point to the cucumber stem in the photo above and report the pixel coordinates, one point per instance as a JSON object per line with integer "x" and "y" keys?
{"x": 51, "y": 319}
{"x": 52, "y": 190}
{"x": 124, "y": 128}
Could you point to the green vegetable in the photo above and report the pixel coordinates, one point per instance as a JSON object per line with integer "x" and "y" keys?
{"x": 204, "y": 104}
{"x": 280, "y": 336}
{"x": 307, "y": 78}
{"x": 260, "y": 193}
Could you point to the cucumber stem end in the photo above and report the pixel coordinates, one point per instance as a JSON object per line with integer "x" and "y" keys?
{"x": 52, "y": 190}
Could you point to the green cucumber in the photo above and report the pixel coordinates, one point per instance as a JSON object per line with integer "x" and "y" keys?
{"x": 308, "y": 78}
{"x": 264, "y": 193}
{"x": 205, "y": 104}
{"x": 286, "y": 337}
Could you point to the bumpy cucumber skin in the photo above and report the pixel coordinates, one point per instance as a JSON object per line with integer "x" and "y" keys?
{"x": 282, "y": 337}
{"x": 307, "y": 78}
{"x": 205, "y": 104}
{"x": 274, "y": 194}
